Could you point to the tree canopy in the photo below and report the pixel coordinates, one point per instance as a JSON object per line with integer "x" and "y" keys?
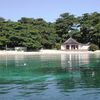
{"x": 37, "y": 33}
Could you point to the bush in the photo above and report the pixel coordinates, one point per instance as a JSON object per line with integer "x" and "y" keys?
{"x": 57, "y": 46}
{"x": 93, "y": 47}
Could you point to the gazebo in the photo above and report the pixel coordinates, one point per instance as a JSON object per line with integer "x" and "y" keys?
{"x": 72, "y": 44}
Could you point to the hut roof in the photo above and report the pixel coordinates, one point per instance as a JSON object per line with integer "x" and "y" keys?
{"x": 71, "y": 41}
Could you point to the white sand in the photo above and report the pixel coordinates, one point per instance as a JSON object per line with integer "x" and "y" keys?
{"x": 44, "y": 52}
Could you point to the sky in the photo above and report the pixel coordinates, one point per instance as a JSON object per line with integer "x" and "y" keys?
{"x": 49, "y": 10}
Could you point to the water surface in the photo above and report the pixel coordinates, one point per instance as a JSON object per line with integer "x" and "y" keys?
{"x": 50, "y": 77}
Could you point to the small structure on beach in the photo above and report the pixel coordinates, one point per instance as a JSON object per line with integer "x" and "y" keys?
{"x": 72, "y": 44}
{"x": 20, "y": 48}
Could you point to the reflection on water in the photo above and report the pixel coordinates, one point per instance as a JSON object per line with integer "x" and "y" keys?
{"x": 46, "y": 77}
{"x": 74, "y": 60}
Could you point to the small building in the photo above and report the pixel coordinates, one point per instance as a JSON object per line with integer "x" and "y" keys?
{"x": 72, "y": 44}
{"x": 20, "y": 48}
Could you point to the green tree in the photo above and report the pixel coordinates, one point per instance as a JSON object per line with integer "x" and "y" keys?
{"x": 63, "y": 25}
{"x": 90, "y": 28}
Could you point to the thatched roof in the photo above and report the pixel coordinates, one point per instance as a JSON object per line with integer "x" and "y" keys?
{"x": 71, "y": 41}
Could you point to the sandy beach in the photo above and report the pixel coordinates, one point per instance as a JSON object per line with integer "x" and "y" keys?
{"x": 44, "y": 52}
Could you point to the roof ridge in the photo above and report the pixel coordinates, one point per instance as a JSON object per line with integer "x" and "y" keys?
{"x": 71, "y": 41}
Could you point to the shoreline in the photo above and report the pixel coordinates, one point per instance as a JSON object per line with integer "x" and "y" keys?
{"x": 46, "y": 52}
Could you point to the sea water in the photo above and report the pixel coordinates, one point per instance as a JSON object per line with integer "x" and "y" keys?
{"x": 50, "y": 77}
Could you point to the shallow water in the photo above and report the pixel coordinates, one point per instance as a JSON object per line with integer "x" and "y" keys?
{"x": 50, "y": 77}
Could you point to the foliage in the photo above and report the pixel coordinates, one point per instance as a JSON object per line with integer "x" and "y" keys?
{"x": 37, "y": 33}
{"x": 57, "y": 46}
{"x": 93, "y": 47}
{"x": 63, "y": 25}
{"x": 31, "y": 33}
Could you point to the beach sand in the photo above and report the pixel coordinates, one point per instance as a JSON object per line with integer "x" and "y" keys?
{"x": 44, "y": 52}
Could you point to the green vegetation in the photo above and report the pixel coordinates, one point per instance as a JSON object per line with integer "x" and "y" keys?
{"x": 37, "y": 33}
{"x": 93, "y": 47}
{"x": 57, "y": 46}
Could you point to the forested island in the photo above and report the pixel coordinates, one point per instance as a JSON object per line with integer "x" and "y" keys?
{"x": 38, "y": 33}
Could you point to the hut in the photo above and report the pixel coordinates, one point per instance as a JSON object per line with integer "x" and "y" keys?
{"x": 72, "y": 44}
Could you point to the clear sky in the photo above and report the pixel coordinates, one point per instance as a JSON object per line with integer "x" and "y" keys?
{"x": 49, "y": 10}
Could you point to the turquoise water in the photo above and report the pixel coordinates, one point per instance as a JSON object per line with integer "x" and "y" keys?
{"x": 50, "y": 77}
